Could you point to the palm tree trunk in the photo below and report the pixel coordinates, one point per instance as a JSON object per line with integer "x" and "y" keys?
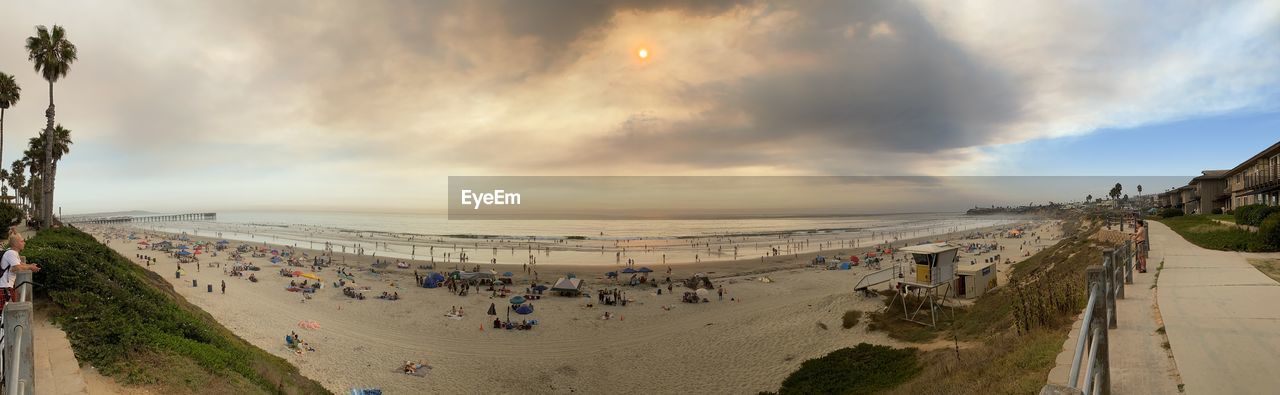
{"x": 15, "y": 193}
{"x": 46, "y": 203}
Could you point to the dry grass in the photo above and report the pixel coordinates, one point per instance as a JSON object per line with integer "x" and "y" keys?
{"x": 1269, "y": 267}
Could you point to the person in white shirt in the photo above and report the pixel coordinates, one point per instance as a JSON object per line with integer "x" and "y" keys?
{"x": 10, "y": 263}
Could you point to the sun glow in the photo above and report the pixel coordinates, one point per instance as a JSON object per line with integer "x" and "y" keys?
{"x": 644, "y": 53}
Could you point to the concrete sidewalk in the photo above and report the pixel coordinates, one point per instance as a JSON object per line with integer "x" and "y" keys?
{"x": 57, "y": 371}
{"x": 1221, "y": 316}
{"x": 1139, "y": 364}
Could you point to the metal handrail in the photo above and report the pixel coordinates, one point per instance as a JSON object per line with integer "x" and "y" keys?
{"x": 19, "y": 373}
{"x": 1088, "y": 318}
{"x": 1105, "y": 284}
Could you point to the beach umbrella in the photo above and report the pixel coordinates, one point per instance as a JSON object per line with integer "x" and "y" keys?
{"x": 611, "y": 274}
{"x": 493, "y": 309}
{"x": 645, "y": 270}
{"x": 182, "y": 247}
{"x": 507, "y": 274}
{"x": 183, "y": 253}
{"x": 628, "y": 271}
{"x": 517, "y": 300}
{"x": 540, "y": 287}
{"x": 275, "y": 259}
{"x": 525, "y": 309}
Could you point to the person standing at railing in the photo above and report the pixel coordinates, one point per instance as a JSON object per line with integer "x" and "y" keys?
{"x": 11, "y": 263}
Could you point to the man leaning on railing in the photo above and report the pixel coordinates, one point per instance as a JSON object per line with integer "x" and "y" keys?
{"x": 11, "y": 263}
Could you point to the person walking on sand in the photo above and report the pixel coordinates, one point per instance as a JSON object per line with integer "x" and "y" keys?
{"x": 224, "y": 287}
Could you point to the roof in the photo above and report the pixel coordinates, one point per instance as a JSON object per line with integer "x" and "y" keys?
{"x": 567, "y": 284}
{"x": 1274, "y": 148}
{"x": 1212, "y": 175}
{"x": 965, "y": 268}
{"x": 928, "y": 248}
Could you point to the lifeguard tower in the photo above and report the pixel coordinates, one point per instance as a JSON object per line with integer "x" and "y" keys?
{"x": 935, "y": 271}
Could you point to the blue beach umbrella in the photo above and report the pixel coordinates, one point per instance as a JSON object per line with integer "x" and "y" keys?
{"x": 628, "y": 271}
{"x": 524, "y": 309}
{"x": 645, "y": 270}
{"x": 517, "y": 300}
{"x": 182, "y": 247}
{"x": 184, "y": 252}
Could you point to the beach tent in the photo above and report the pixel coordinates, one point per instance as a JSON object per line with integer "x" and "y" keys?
{"x": 570, "y": 285}
{"x": 275, "y": 259}
{"x": 524, "y": 309}
{"x": 645, "y": 270}
{"x": 539, "y": 287}
{"x": 436, "y": 276}
{"x": 430, "y": 282}
{"x": 845, "y": 266}
{"x": 611, "y": 274}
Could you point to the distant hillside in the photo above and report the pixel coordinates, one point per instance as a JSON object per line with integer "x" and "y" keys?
{"x": 131, "y": 325}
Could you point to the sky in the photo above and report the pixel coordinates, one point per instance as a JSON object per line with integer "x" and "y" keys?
{"x": 372, "y": 105}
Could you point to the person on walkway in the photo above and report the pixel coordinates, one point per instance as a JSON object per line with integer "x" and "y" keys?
{"x": 11, "y": 263}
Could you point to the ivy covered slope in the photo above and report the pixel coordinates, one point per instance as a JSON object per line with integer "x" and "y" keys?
{"x": 131, "y": 325}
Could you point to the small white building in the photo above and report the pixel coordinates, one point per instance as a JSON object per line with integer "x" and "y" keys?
{"x": 972, "y": 281}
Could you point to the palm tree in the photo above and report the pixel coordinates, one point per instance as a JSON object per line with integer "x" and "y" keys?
{"x": 17, "y": 178}
{"x": 1087, "y": 199}
{"x": 52, "y": 55}
{"x": 61, "y": 147}
{"x": 1139, "y": 190}
{"x": 10, "y": 92}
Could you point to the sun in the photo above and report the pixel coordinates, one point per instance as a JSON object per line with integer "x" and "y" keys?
{"x": 644, "y": 53}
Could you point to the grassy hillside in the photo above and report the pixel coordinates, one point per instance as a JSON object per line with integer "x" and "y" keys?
{"x": 131, "y": 325}
{"x": 1008, "y": 339}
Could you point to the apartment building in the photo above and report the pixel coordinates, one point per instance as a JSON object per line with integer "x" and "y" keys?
{"x": 1256, "y": 180}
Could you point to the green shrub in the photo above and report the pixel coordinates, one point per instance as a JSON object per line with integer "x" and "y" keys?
{"x": 1217, "y": 210}
{"x": 10, "y": 215}
{"x": 1244, "y": 213}
{"x": 862, "y": 369}
{"x": 850, "y": 318}
{"x": 1253, "y": 214}
{"x": 1171, "y": 212}
{"x": 1270, "y": 231}
{"x": 130, "y": 324}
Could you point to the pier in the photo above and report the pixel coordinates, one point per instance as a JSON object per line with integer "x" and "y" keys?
{"x": 143, "y": 218}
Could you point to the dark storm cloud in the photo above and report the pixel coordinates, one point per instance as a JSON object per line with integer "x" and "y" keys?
{"x": 908, "y": 90}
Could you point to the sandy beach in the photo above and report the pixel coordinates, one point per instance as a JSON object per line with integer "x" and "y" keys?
{"x": 747, "y": 343}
